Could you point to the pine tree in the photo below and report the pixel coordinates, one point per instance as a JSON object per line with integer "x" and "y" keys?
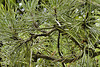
{"x": 50, "y": 33}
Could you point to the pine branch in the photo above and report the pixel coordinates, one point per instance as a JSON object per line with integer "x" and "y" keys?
{"x": 63, "y": 60}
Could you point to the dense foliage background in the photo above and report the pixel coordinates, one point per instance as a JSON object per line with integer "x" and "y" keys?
{"x": 49, "y": 33}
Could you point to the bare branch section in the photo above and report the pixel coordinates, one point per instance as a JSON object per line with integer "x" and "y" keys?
{"x": 64, "y": 60}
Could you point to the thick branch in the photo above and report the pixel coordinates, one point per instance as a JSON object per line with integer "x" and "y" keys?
{"x": 45, "y": 34}
{"x": 36, "y": 35}
{"x": 64, "y": 60}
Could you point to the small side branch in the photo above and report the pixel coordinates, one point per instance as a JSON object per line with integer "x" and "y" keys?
{"x": 58, "y": 46}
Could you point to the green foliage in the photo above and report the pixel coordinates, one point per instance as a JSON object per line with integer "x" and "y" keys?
{"x": 29, "y": 33}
